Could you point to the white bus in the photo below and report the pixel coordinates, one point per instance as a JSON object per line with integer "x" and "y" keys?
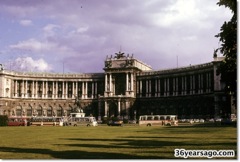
{"x": 161, "y": 120}
{"x": 82, "y": 121}
{"x": 45, "y": 121}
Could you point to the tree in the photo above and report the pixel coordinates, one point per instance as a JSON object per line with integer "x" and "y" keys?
{"x": 228, "y": 37}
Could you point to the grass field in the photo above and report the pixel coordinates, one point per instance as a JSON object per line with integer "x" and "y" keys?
{"x": 103, "y": 142}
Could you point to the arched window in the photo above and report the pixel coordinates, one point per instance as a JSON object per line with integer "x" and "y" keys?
{"x": 29, "y": 111}
{"x": 59, "y": 112}
{"x": 39, "y": 111}
{"x": 49, "y": 111}
{"x": 19, "y": 111}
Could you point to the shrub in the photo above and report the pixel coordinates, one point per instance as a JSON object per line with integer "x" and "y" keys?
{"x": 3, "y": 120}
{"x": 125, "y": 121}
{"x": 105, "y": 120}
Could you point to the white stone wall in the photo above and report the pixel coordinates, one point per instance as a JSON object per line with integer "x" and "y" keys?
{"x": 1, "y": 86}
{"x": 5, "y": 86}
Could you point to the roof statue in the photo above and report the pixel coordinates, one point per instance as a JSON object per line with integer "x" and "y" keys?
{"x": 119, "y": 55}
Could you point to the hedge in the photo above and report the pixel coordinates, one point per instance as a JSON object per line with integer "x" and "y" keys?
{"x": 3, "y": 120}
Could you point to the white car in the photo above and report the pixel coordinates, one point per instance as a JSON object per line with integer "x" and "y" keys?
{"x": 218, "y": 120}
{"x": 201, "y": 120}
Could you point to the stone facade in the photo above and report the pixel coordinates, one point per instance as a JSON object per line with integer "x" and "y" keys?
{"x": 127, "y": 88}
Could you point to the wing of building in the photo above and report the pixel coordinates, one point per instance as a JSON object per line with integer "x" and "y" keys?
{"x": 127, "y": 88}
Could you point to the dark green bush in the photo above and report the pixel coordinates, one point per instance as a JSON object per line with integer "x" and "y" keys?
{"x": 3, "y": 120}
{"x": 105, "y": 120}
{"x": 125, "y": 121}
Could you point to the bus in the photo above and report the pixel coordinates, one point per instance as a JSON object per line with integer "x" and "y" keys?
{"x": 17, "y": 121}
{"x": 161, "y": 120}
{"x": 82, "y": 121}
{"x": 45, "y": 121}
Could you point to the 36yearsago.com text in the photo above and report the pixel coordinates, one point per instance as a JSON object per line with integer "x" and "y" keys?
{"x": 182, "y": 153}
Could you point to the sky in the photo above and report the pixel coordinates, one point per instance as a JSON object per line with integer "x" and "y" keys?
{"x": 75, "y": 36}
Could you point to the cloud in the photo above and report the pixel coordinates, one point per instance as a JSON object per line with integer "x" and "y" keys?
{"x": 83, "y": 32}
{"x": 32, "y": 45}
{"x": 50, "y": 29}
{"x": 25, "y": 22}
{"x": 28, "y": 64}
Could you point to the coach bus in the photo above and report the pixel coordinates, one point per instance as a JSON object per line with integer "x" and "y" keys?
{"x": 45, "y": 121}
{"x": 17, "y": 121}
{"x": 161, "y": 120}
{"x": 82, "y": 121}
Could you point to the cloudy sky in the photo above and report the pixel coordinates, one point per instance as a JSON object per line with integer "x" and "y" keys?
{"x": 75, "y": 36}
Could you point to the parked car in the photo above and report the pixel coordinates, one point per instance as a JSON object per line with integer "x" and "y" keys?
{"x": 115, "y": 123}
{"x": 218, "y": 119}
{"x": 132, "y": 121}
{"x": 211, "y": 120}
{"x": 201, "y": 121}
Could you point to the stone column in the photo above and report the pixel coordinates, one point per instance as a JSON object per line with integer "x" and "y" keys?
{"x": 26, "y": 89}
{"x": 92, "y": 89}
{"x": 147, "y": 88}
{"x": 63, "y": 89}
{"x": 168, "y": 87}
{"x": 150, "y": 88}
{"x": 15, "y": 88}
{"x": 86, "y": 92}
{"x": 174, "y": 86}
{"x": 190, "y": 78}
{"x": 210, "y": 82}
{"x": 159, "y": 88}
{"x": 183, "y": 85}
{"x": 119, "y": 107}
{"x": 37, "y": 89}
{"x": 73, "y": 89}
{"x": 66, "y": 89}
{"x": 156, "y": 87}
{"x": 83, "y": 95}
{"x": 47, "y": 89}
{"x": 131, "y": 81}
{"x": 96, "y": 93}
{"x": 53, "y": 90}
{"x": 140, "y": 88}
{"x": 77, "y": 89}
{"x": 99, "y": 109}
{"x": 127, "y": 81}
{"x": 165, "y": 87}
{"x": 193, "y": 77}
{"x": 33, "y": 89}
{"x": 43, "y": 89}
{"x": 21, "y": 88}
{"x": 207, "y": 85}
{"x": 106, "y": 82}
{"x": 110, "y": 83}
{"x": 105, "y": 109}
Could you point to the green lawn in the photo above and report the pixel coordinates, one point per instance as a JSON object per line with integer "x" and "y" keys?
{"x": 103, "y": 142}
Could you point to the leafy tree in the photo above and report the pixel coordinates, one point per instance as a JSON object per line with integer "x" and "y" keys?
{"x": 228, "y": 37}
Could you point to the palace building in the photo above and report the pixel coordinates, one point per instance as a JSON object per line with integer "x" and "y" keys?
{"x": 127, "y": 88}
